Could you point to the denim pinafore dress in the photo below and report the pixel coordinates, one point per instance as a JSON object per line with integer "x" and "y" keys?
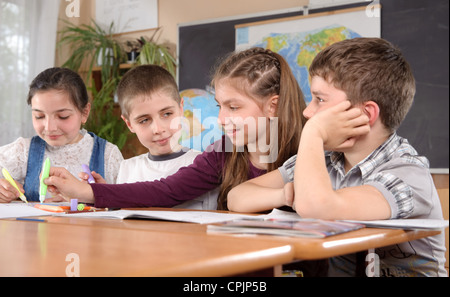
{"x": 36, "y": 159}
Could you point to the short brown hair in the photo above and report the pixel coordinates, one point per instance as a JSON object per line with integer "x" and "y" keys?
{"x": 145, "y": 80}
{"x": 369, "y": 69}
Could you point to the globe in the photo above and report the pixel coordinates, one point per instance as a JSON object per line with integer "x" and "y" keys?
{"x": 200, "y": 127}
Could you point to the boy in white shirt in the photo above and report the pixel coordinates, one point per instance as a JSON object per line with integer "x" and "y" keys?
{"x": 152, "y": 108}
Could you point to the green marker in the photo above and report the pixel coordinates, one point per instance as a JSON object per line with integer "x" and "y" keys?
{"x": 44, "y": 175}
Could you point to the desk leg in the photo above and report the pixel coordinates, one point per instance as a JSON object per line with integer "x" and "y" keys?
{"x": 278, "y": 271}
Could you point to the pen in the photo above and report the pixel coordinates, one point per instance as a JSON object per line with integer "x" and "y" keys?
{"x": 28, "y": 219}
{"x": 80, "y": 211}
{"x": 86, "y": 169}
{"x": 45, "y": 174}
{"x": 13, "y": 183}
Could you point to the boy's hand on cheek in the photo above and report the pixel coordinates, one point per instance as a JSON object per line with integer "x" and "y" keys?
{"x": 339, "y": 125}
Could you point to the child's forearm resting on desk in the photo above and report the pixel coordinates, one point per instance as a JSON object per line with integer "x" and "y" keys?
{"x": 260, "y": 194}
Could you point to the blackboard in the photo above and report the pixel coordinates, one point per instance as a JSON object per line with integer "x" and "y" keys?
{"x": 419, "y": 28}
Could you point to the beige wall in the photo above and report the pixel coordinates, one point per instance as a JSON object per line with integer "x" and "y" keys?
{"x": 173, "y": 12}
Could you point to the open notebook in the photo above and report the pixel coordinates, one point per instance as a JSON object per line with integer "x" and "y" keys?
{"x": 283, "y": 227}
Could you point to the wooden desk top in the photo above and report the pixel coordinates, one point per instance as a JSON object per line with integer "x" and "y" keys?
{"x": 304, "y": 248}
{"x": 40, "y": 249}
{"x": 161, "y": 248}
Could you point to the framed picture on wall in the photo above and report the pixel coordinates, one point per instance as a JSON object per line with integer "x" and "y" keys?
{"x": 127, "y": 15}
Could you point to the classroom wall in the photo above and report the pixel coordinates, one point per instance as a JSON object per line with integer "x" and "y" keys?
{"x": 173, "y": 12}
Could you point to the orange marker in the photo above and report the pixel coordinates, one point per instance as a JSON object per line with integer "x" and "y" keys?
{"x": 52, "y": 208}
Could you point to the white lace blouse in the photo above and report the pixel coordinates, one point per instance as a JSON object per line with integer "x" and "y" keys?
{"x": 14, "y": 157}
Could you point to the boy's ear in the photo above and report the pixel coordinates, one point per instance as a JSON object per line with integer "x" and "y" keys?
{"x": 372, "y": 110}
{"x": 182, "y": 105}
{"x": 128, "y": 124}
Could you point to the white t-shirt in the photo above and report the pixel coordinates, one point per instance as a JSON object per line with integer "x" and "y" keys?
{"x": 147, "y": 167}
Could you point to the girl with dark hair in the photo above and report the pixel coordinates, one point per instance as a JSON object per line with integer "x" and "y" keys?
{"x": 59, "y": 106}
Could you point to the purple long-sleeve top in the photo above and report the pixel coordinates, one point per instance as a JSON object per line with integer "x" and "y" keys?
{"x": 190, "y": 182}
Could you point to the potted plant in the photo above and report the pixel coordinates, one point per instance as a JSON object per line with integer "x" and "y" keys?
{"x": 153, "y": 53}
{"x": 92, "y": 46}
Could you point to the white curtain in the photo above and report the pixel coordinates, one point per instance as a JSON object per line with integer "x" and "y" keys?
{"x": 27, "y": 47}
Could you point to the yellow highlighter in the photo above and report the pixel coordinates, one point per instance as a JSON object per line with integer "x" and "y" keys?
{"x": 13, "y": 183}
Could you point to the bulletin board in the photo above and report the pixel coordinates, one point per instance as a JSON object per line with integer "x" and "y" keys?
{"x": 127, "y": 15}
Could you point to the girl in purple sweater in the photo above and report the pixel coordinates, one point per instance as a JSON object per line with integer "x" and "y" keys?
{"x": 261, "y": 107}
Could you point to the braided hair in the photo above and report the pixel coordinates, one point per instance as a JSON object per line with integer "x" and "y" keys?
{"x": 261, "y": 74}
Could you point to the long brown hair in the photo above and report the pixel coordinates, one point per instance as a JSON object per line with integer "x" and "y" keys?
{"x": 262, "y": 73}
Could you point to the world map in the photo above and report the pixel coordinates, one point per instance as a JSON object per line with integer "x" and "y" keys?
{"x": 300, "y": 48}
{"x": 201, "y": 112}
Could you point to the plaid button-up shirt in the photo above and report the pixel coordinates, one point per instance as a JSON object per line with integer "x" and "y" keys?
{"x": 404, "y": 179}
{"x": 388, "y": 168}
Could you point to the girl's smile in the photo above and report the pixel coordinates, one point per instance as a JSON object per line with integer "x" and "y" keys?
{"x": 56, "y": 119}
{"x": 238, "y": 115}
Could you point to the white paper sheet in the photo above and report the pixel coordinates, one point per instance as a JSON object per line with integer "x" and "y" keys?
{"x": 20, "y": 209}
{"x": 199, "y": 217}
